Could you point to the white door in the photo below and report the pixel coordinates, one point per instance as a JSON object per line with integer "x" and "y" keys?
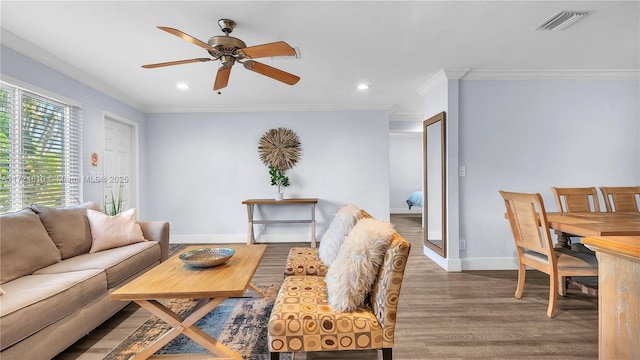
{"x": 120, "y": 162}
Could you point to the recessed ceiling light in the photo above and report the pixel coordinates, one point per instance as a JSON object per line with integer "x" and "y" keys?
{"x": 363, "y": 86}
{"x": 182, "y": 86}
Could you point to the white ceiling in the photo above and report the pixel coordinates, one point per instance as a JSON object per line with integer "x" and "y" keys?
{"x": 396, "y": 46}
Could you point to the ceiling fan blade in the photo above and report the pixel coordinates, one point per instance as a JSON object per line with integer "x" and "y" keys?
{"x": 179, "y": 62}
{"x": 222, "y": 78}
{"x": 186, "y": 37}
{"x": 279, "y": 48}
{"x": 271, "y": 72}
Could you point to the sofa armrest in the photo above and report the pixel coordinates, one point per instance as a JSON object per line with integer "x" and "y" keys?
{"x": 157, "y": 231}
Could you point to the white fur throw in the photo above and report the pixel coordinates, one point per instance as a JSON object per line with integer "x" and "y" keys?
{"x": 351, "y": 276}
{"x": 342, "y": 223}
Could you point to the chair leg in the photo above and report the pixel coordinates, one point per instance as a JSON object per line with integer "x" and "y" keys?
{"x": 553, "y": 295}
{"x": 275, "y": 355}
{"x": 522, "y": 272}
{"x": 387, "y": 354}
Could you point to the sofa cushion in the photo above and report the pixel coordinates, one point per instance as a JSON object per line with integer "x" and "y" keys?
{"x": 302, "y": 320}
{"x": 68, "y": 227}
{"x": 342, "y": 223}
{"x": 351, "y": 276}
{"x": 109, "y": 232}
{"x": 25, "y": 245}
{"x": 34, "y": 302}
{"x": 119, "y": 263}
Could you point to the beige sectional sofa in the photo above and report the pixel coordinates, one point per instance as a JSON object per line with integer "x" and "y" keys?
{"x": 54, "y": 290}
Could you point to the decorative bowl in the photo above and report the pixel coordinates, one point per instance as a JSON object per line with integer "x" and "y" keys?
{"x": 207, "y": 257}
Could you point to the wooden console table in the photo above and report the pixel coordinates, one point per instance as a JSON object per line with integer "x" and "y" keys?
{"x": 250, "y": 212}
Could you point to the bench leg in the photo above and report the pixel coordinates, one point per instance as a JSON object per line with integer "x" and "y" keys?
{"x": 275, "y": 356}
{"x": 386, "y": 354}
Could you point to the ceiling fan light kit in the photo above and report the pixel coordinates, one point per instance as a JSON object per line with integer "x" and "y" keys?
{"x": 229, "y": 50}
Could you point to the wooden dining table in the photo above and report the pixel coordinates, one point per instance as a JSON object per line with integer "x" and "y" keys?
{"x": 618, "y": 295}
{"x": 593, "y": 224}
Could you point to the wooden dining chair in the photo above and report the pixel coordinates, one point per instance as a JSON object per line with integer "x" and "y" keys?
{"x": 530, "y": 228}
{"x": 621, "y": 199}
{"x": 583, "y": 199}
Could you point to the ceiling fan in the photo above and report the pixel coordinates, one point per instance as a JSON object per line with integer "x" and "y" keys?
{"x": 230, "y": 50}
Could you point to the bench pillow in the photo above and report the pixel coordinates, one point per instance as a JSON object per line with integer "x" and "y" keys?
{"x": 25, "y": 245}
{"x": 68, "y": 227}
{"x": 342, "y": 223}
{"x": 352, "y": 274}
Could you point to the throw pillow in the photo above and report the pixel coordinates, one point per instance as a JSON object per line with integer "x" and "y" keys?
{"x": 25, "y": 245}
{"x": 109, "y": 232}
{"x": 68, "y": 227}
{"x": 351, "y": 276}
{"x": 342, "y": 223}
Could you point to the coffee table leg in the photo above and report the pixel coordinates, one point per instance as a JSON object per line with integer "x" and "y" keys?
{"x": 260, "y": 291}
{"x": 185, "y": 326}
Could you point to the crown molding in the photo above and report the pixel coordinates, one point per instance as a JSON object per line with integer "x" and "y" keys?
{"x": 441, "y": 77}
{"x": 267, "y": 108}
{"x": 444, "y": 75}
{"x": 553, "y": 74}
{"x": 406, "y": 116}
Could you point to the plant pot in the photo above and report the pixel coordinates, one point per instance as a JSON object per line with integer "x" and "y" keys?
{"x": 279, "y": 196}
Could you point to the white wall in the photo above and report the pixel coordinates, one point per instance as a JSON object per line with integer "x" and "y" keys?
{"x": 205, "y": 164}
{"x": 530, "y": 135}
{"x": 405, "y": 155}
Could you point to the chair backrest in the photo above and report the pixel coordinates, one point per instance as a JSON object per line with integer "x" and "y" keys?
{"x": 529, "y": 224}
{"x": 576, "y": 199}
{"x": 621, "y": 199}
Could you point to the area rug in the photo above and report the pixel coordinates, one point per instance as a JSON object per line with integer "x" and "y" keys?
{"x": 239, "y": 323}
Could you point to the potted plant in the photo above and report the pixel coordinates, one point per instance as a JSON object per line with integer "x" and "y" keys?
{"x": 113, "y": 206}
{"x": 280, "y": 179}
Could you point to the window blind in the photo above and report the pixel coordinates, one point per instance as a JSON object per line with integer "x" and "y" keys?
{"x": 40, "y": 141}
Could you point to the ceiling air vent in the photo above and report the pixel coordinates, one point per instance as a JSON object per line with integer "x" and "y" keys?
{"x": 562, "y": 20}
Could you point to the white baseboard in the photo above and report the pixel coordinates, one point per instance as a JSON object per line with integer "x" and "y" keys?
{"x": 490, "y": 263}
{"x": 236, "y": 238}
{"x": 451, "y": 265}
{"x": 467, "y": 264}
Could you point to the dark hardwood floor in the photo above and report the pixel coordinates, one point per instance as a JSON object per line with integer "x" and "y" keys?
{"x": 466, "y": 315}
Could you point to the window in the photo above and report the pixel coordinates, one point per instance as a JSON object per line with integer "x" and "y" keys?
{"x": 40, "y": 141}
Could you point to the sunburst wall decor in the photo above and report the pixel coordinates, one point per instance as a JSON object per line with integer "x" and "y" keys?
{"x": 279, "y": 148}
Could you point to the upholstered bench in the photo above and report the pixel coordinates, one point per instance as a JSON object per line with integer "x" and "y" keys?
{"x": 303, "y": 320}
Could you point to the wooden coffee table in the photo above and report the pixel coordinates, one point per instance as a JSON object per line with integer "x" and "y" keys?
{"x": 173, "y": 279}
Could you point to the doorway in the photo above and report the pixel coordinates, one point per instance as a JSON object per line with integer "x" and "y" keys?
{"x": 120, "y": 161}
